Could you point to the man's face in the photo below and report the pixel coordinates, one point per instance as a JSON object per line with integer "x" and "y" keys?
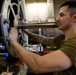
{"x": 64, "y": 19}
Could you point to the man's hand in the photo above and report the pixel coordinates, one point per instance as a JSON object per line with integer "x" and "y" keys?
{"x": 13, "y": 34}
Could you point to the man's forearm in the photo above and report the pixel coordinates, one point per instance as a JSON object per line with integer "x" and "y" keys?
{"x": 26, "y": 56}
{"x": 40, "y": 39}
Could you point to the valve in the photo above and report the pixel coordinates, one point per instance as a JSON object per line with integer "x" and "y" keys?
{"x": 4, "y": 54}
{"x": 2, "y": 47}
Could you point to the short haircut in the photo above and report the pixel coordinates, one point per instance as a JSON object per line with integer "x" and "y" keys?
{"x": 71, "y": 6}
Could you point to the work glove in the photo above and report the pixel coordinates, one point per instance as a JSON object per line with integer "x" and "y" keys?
{"x": 13, "y": 34}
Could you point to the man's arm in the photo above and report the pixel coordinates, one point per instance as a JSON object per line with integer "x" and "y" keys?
{"x": 54, "y": 61}
{"x": 40, "y": 39}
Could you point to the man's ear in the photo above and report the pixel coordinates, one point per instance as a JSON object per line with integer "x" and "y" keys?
{"x": 74, "y": 18}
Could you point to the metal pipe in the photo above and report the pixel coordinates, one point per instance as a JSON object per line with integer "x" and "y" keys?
{"x": 37, "y": 25}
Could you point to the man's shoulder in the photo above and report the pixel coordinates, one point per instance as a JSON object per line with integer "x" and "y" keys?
{"x": 60, "y": 36}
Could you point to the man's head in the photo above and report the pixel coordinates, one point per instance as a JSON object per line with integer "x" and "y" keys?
{"x": 67, "y": 15}
{"x": 71, "y": 6}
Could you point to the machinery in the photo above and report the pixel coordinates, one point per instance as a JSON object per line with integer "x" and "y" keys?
{"x": 11, "y": 11}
